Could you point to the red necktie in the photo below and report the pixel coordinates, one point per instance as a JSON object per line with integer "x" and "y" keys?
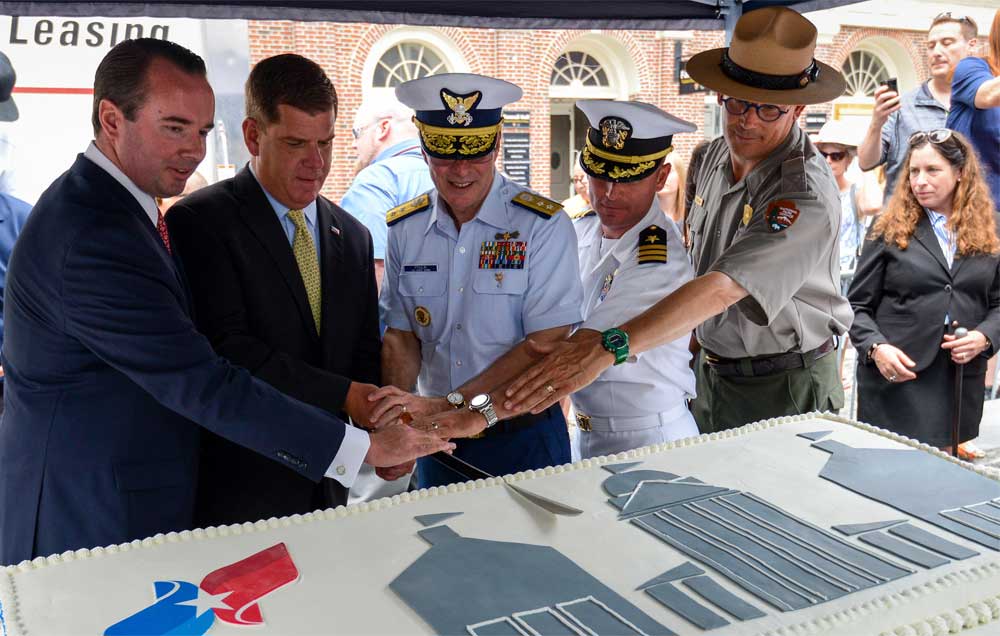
{"x": 161, "y": 227}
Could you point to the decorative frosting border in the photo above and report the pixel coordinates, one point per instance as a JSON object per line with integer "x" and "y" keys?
{"x": 974, "y": 614}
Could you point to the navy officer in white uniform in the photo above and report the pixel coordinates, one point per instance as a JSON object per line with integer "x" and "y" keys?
{"x": 474, "y": 268}
{"x": 631, "y": 256}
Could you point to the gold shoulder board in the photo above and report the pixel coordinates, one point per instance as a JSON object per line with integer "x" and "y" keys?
{"x": 653, "y": 245}
{"x": 584, "y": 214}
{"x": 403, "y": 210}
{"x": 541, "y": 206}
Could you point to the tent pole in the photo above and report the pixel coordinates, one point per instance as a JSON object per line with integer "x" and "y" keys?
{"x": 731, "y": 10}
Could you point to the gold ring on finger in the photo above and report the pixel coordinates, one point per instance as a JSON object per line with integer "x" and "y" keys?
{"x": 549, "y": 388}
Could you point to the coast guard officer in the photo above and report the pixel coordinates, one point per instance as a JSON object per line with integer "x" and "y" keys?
{"x": 473, "y": 268}
{"x": 631, "y": 256}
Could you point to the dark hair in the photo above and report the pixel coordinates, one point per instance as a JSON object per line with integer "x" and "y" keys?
{"x": 288, "y": 79}
{"x": 121, "y": 75}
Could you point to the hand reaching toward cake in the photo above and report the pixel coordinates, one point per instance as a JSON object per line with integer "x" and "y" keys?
{"x": 357, "y": 404}
{"x": 451, "y": 424}
{"x": 569, "y": 365}
{"x": 392, "y": 473}
{"x": 397, "y": 443}
{"x": 390, "y": 402}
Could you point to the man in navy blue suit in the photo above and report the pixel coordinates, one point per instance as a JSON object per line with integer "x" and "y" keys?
{"x": 13, "y": 214}
{"x": 108, "y": 380}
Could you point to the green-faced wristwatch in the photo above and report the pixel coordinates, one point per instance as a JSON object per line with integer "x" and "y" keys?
{"x": 615, "y": 341}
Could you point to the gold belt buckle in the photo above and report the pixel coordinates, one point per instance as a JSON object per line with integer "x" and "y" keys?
{"x": 583, "y": 421}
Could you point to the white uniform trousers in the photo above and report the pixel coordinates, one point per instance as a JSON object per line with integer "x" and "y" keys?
{"x": 609, "y": 435}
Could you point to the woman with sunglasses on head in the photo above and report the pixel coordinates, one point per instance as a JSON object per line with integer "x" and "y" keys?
{"x": 931, "y": 262}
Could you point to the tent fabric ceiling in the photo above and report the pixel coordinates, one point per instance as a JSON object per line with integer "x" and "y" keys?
{"x": 513, "y": 14}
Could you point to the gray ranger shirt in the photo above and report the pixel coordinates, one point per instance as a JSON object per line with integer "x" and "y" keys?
{"x": 775, "y": 233}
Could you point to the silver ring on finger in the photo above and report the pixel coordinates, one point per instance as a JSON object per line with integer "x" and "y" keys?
{"x": 892, "y": 378}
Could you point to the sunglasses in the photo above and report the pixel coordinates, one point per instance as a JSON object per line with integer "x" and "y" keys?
{"x": 836, "y": 156}
{"x": 938, "y": 136}
{"x": 947, "y": 15}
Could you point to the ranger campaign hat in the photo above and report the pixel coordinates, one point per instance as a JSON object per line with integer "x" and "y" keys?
{"x": 769, "y": 61}
{"x": 459, "y": 115}
{"x": 627, "y": 140}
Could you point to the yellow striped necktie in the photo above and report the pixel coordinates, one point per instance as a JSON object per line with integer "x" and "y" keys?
{"x": 305, "y": 255}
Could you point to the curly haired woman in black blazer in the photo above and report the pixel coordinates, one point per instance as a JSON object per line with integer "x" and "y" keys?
{"x": 931, "y": 260}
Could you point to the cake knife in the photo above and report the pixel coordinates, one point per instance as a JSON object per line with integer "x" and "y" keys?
{"x": 466, "y": 469}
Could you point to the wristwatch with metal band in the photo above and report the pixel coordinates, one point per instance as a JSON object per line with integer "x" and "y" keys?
{"x": 483, "y": 404}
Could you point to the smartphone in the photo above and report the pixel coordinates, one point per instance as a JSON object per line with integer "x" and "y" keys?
{"x": 892, "y": 84}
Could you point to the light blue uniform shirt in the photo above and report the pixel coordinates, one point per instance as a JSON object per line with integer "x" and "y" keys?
{"x": 477, "y": 313}
{"x": 944, "y": 236}
{"x": 946, "y": 240}
{"x": 398, "y": 174}
{"x": 286, "y": 223}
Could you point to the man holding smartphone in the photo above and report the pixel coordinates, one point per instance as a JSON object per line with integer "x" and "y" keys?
{"x": 895, "y": 118}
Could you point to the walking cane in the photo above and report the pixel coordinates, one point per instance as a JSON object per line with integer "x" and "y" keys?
{"x": 960, "y": 332}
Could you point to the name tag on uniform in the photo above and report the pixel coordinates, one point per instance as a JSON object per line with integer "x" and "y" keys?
{"x": 420, "y": 268}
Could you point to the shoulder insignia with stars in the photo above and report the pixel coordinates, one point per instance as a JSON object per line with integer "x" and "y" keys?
{"x": 584, "y": 214}
{"x": 541, "y": 206}
{"x": 653, "y": 245}
{"x": 403, "y": 210}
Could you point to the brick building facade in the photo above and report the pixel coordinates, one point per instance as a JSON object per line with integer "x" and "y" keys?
{"x": 637, "y": 64}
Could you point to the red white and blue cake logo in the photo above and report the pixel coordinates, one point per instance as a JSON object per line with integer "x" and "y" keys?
{"x": 229, "y": 594}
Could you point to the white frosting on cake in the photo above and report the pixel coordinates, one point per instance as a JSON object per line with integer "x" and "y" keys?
{"x": 347, "y": 556}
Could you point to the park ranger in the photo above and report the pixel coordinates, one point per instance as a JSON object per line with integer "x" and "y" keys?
{"x": 631, "y": 256}
{"x": 763, "y": 228}
{"x": 473, "y": 268}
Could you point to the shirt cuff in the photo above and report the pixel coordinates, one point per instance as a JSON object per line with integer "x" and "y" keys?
{"x": 569, "y": 317}
{"x": 347, "y": 462}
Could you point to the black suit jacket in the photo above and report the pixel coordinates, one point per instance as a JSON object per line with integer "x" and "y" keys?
{"x": 251, "y": 303}
{"x": 902, "y": 296}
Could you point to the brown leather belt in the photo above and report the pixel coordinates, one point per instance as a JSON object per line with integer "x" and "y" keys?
{"x": 767, "y": 365}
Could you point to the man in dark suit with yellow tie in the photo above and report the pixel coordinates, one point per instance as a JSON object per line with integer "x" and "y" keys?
{"x": 283, "y": 284}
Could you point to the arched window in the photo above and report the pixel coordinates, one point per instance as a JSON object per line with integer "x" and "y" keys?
{"x": 405, "y": 61}
{"x": 864, "y": 71}
{"x": 577, "y": 68}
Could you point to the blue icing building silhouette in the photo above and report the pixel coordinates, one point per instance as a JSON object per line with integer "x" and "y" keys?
{"x": 493, "y": 588}
{"x": 917, "y": 483}
{"x": 779, "y": 558}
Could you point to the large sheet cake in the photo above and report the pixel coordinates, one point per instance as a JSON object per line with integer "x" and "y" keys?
{"x": 806, "y": 525}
